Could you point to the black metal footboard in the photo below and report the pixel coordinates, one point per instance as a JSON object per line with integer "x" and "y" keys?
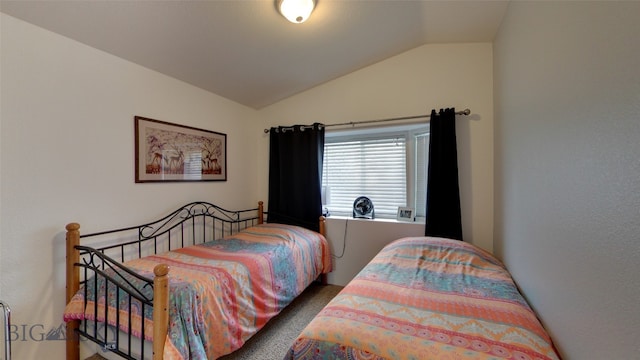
{"x": 101, "y": 275}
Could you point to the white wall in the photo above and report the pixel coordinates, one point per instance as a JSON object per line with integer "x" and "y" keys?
{"x": 567, "y": 174}
{"x": 412, "y": 83}
{"x": 67, "y": 150}
{"x": 354, "y": 242}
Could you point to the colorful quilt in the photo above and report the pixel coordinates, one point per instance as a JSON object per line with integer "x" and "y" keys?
{"x": 427, "y": 298}
{"x": 220, "y": 293}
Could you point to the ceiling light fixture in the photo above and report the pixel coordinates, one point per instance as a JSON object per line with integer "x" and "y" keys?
{"x": 296, "y": 11}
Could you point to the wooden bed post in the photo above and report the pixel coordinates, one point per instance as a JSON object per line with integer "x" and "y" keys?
{"x": 260, "y": 212}
{"x": 160, "y": 309}
{"x": 323, "y": 223}
{"x": 73, "y": 285}
{"x": 323, "y": 231}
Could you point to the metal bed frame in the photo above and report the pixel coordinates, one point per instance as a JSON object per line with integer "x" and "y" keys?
{"x": 7, "y": 329}
{"x": 191, "y": 224}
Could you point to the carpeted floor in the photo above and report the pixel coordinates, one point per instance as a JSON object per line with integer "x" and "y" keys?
{"x": 95, "y": 357}
{"x": 273, "y": 341}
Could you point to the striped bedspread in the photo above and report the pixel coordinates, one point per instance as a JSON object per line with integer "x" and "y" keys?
{"x": 221, "y": 292}
{"x": 427, "y": 298}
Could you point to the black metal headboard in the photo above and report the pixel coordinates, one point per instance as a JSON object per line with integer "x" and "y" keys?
{"x": 191, "y": 224}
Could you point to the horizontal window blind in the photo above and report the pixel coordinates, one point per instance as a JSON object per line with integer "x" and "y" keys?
{"x": 374, "y": 167}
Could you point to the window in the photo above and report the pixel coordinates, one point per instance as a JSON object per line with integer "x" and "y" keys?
{"x": 388, "y": 165}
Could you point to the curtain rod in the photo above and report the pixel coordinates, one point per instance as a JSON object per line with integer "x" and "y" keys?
{"x": 463, "y": 112}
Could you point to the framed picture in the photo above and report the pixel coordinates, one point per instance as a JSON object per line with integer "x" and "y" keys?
{"x": 169, "y": 152}
{"x": 405, "y": 214}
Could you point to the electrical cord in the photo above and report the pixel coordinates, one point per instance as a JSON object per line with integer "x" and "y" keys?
{"x": 344, "y": 241}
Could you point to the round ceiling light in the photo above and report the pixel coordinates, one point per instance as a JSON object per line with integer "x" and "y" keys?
{"x": 296, "y": 11}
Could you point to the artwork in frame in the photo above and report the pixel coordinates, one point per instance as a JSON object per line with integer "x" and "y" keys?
{"x": 166, "y": 152}
{"x": 405, "y": 214}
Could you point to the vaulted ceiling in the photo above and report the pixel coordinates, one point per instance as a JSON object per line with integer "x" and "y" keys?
{"x": 246, "y": 51}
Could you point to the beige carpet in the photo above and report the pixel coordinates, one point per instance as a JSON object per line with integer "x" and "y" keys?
{"x": 273, "y": 341}
{"x": 95, "y": 357}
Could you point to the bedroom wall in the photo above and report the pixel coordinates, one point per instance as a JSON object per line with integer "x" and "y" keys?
{"x": 67, "y": 150}
{"x": 412, "y": 83}
{"x": 567, "y": 172}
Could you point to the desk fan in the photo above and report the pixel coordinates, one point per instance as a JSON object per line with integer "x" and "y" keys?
{"x": 363, "y": 208}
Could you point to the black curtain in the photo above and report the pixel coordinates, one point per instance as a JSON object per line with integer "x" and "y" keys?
{"x": 443, "y": 191}
{"x": 295, "y": 175}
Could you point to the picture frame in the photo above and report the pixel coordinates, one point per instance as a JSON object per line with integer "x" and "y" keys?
{"x": 406, "y": 214}
{"x": 166, "y": 152}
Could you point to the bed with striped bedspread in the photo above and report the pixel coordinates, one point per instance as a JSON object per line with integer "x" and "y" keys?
{"x": 427, "y": 298}
{"x": 220, "y": 292}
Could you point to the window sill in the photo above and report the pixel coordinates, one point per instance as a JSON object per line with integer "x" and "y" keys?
{"x": 342, "y": 217}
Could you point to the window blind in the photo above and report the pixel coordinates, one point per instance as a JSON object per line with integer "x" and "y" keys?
{"x": 373, "y": 167}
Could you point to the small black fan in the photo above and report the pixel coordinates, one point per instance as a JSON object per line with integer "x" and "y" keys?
{"x": 363, "y": 208}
